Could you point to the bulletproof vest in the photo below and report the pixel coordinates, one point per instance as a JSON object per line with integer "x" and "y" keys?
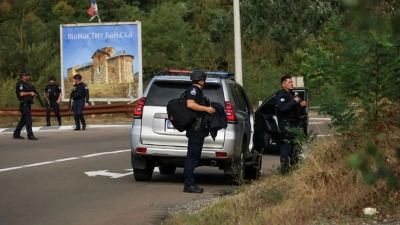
{"x": 52, "y": 91}
{"x": 25, "y": 88}
{"x": 200, "y": 99}
{"x": 294, "y": 113}
{"x": 78, "y": 91}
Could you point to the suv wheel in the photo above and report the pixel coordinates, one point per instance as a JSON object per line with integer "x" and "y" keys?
{"x": 143, "y": 174}
{"x": 253, "y": 165}
{"x": 167, "y": 170}
{"x": 238, "y": 168}
{"x": 237, "y": 178}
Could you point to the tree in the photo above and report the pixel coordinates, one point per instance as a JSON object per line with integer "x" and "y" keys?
{"x": 286, "y": 22}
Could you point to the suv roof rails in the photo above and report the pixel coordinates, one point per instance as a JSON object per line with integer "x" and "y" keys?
{"x": 219, "y": 74}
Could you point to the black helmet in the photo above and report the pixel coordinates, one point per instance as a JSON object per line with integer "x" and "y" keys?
{"x": 24, "y": 72}
{"x": 198, "y": 75}
{"x": 52, "y": 78}
{"x": 77, "y": 77}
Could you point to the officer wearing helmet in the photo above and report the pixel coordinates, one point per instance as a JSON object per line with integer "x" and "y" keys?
{"x": 25, "y": 94}
{"x": 53, "y": 95}
{"x": 196, "y": 134}
{"x": 80, "y": 96}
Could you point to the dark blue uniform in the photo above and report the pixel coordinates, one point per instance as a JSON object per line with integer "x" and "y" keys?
{"x": 195, "y": 135}
{"x": 80, "y": 95}
{"x": 25, "y": 109}
{"x": 289, "y": 112}
{"x": 52, "y": 92}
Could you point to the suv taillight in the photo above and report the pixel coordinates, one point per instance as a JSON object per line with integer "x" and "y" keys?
{"x": 137, "y": 113}
{"x": 230, "y": 114}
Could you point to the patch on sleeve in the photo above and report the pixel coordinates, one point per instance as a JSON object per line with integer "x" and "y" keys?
{"x": 193, "y": 91}
{"x": 283, "y": 100}
{"x": 21, "y": 87}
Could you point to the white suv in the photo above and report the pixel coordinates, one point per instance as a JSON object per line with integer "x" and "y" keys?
{"x": 155, "y": 142}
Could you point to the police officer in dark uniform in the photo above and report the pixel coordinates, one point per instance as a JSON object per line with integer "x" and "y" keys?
{"x": 53, "y": 95}
{"x": 80, "y": 95}
{"x": 25, "y": 94}
{"x": 289, "y": 108}
{"x": 196, "y": 134}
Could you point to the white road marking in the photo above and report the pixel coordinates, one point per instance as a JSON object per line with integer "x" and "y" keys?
{"x": 66, "y": 159}
{"x": 324, "y": 135}
{"x": 62, "y": 160}
{"x": 314, "y": 123}
{"x": 103, "y": 153}
{"x": 108, "y": 174}
{"x": 319, "y": 118}
{"x": 105, "y": 173}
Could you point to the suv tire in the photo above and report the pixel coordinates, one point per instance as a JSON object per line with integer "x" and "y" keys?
{"x": 253, "y": 164}
{"x": 238, "y": 168}
{"x": 143, "y": 174}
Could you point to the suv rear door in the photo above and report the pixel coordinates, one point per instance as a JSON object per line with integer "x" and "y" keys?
{"x": 156, "y": 129}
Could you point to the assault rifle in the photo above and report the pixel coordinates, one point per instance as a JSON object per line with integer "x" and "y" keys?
{"x": 69, "y": 106}
{"x": 37, "y": 96}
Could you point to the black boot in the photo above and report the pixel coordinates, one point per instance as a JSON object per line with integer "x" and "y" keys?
{"x": 83, "y": 123}
{"x": 285, "y": 166}
{"x": 32, "y": 138}
{"x": 77, "y": 126}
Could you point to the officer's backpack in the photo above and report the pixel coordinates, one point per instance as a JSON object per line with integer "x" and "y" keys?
{"x": 179, "y": 114}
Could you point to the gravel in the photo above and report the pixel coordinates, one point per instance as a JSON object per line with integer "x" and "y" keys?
{"x": 191, "y": 206}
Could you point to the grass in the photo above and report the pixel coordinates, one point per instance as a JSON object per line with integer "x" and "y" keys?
{"x": 121, "y": 90}
{"x": 323, "y": 190}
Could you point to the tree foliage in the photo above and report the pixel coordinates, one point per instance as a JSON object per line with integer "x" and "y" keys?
{"x": 352, "y": 68}
{"x": 176, "y": 34}
{"x": 315, "y": 39}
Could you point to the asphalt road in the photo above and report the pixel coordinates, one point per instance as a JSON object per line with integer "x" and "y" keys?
{"x": 84, "y": 177}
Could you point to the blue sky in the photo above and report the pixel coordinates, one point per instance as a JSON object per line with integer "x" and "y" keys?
{"x": 79, "y": 42}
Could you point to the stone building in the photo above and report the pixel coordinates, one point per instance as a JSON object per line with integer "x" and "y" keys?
{"x": 107, "y": 67}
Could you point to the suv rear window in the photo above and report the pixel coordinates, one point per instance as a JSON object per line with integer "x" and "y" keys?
{"x": 161, "y": 92}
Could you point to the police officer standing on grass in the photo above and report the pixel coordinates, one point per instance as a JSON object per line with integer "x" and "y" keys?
{"x": 196, "y": 134}
{"x": 80, "y": 95}
{"x": 53, "y": 95}
{"x": 289, "y": 108}
{"x": 25, "y": 94}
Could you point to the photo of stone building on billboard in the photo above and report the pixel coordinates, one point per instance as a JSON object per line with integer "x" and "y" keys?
{"x": 106, "y": 67}
{"x": 106, "y": 55}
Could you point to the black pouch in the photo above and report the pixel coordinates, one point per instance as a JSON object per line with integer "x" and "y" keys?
{"x": 179, "y": 114}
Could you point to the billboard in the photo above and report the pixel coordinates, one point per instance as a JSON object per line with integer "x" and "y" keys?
{"x": 108, "y": 56}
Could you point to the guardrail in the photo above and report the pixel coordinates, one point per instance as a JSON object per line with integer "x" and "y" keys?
{"x": 89, "y": 110}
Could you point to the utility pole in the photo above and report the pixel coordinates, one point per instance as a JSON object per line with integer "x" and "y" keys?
{"x": 238, "y": 46}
